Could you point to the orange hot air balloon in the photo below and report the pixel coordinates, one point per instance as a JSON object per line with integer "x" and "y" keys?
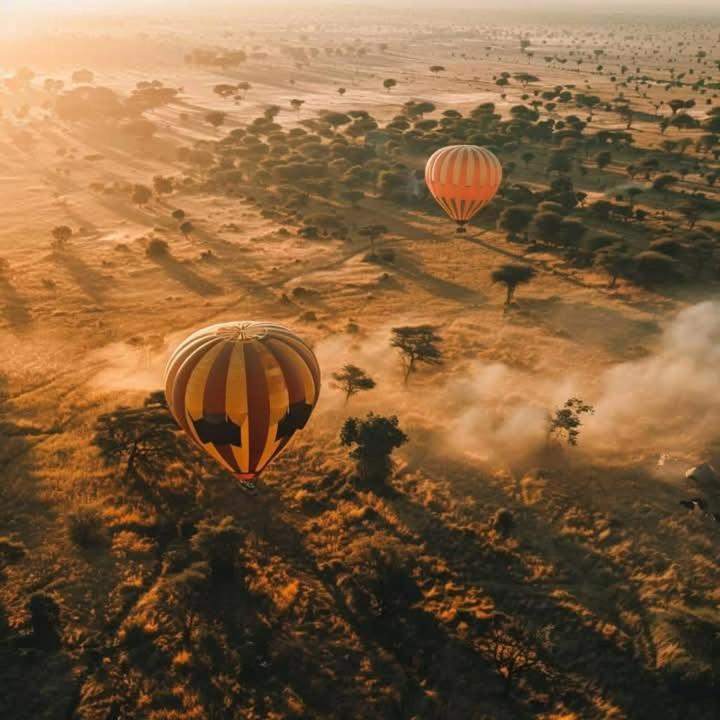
{"x": 463, "y": 179}
{"x": 241, "y": 390}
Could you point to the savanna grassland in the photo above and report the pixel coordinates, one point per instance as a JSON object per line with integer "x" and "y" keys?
{"x": 523, "y": 557}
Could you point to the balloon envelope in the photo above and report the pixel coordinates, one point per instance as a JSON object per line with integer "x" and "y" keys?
{"x": 241, "y": 390}
{"x": 463, "y": 179}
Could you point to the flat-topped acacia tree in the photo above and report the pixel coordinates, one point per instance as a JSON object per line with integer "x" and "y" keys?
{"x": 417, "y": 344}
{"x": 511, "y": 275}
{"x": 352, "y": 380}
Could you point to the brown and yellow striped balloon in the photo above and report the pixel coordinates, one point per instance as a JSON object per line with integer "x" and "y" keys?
{"x": 463, "y": 179}
{"x": 241, "y": 390}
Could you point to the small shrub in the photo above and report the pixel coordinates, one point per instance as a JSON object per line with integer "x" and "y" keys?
{"x": 85, "y": 526}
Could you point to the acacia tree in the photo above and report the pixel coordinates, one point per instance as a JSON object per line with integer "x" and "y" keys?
{"x": 216, "y": 118}
{"x": 603, "y": 159}
{"x": 225, "y": 91}
{"x": 565, "y": 423}
{"x": 512, "y": 275}
{"x": 378, "y": 580}
{"x": 372, "y": 233}
{"x": 352, "y": 379}
{"x": 417, "y": 344}
{"x": 614, "y": 262}
{"x": 389, "y": 84}
{"x": 162, "y": 185}
{"x": 141, "y": 194}
{"x": 515, "y": 220}
{"x": 514, "y": 650}
{"x": 144, "y": 439}
{"x": 186, "y": 594}
{"x": 373, "y": 440}
{"x": 219, "y": 544}
{"x": 61, "y": 236}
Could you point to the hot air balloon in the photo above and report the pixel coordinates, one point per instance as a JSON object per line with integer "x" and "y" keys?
{"x": 241, "y": 390}
{"x": 463, "y": 179}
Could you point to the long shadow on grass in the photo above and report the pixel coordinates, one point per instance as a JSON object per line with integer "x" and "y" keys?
{"x": 447, "y": 289}
{"x": 93, "y": 283}
{"x": 16, "y": 309}
{"x": 588, "y": 324}
{"x": 583, "y": 579}
{"x": 182, "y": 273}
{"x": 428, "y": 672}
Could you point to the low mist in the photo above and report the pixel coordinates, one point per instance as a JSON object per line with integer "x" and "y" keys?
{"x": 667, "y": 402}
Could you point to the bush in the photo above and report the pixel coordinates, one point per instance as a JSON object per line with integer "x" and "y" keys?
{"x": 655, "y": 267}
{"x": 156, "y": 248}
{"x": 667, "y": 246}
{"x": 44, "y": 620}
{"x": 218, "y": 542}
{"x": 377, "y": 582}
{"x": 503, "y": 522}
{"x": 309, "y": 232}
{"x": 553, "y": 207}
{"x": 85, "y": 526}
{"x": 373, "y": 441}
{"x": 11, "y": 550}
{"x": 602, "y": 240}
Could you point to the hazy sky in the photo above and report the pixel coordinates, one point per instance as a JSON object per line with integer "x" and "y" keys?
{"x": 25, "y": 7}
{"x": 98, "y": 5}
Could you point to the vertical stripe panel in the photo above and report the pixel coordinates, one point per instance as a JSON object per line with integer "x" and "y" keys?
{"x": 258, "y": 405}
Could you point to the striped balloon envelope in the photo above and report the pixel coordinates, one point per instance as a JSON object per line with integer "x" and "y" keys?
{"x": 463, "y": 179}
{"x": 240, "y": 390}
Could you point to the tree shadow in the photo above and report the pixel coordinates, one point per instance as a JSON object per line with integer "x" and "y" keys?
{"x": 16, "y": 310}
{"x": 93, "y": 283}
{"x": 406, "y": 267}
{"x": 180, "y": 272}
{"x": 422, "y": 662}
{"x": 128, "y": 212}
{"x": 590, "y": 589}
{"x": 588, "y": 324}
{"x": 225, "y": 251}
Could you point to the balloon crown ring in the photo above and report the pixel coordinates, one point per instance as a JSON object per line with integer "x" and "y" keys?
{"x": 242, "y": 331}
